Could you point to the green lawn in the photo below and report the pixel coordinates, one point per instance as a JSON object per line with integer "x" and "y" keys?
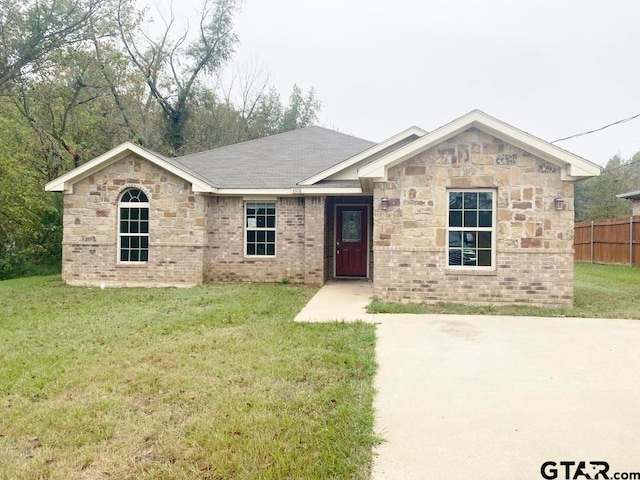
{"x": 600, "y": 291}
{"x": 212, "y": 382}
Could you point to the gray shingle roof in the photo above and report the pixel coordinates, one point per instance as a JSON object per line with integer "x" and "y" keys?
{"x": 278, "y": 161}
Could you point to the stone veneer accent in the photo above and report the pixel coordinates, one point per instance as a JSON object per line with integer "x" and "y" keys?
{"x": 534, "y": 241}
{"x": 176, "y": 228}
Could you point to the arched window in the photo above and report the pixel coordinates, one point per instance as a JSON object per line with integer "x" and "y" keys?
{"x": 133, "y": 231}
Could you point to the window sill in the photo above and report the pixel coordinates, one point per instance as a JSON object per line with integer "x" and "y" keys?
{"x": 260, "y": 257}
{"x": 471, "y": 272}
{"x": 132, "y": 264}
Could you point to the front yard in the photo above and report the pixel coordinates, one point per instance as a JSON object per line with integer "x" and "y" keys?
{"x": 213, "y": 382}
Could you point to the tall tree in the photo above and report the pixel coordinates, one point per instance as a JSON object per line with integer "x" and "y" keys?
{"x": 596, "y": 199}
{"x": 171, "y": 68}
{"x": 32, "y": 29}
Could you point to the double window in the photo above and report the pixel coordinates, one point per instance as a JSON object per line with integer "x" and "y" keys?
{"x": 133, "y": 232}
{"x": 471, "y": 228}
{"x": 260, "y": 229}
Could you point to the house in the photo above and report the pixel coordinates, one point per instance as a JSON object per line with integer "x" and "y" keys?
{"x": 635, "y": 200}
{"x": 475, "y": 211}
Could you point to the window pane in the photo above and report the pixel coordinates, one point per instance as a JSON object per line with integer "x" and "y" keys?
{"x": 351, "y": 226}
{"x": 455, "y": 200}
{"x": 144, "y": 213}
{"x": 133, "y": 227}
{"x": 271, "y": 237}
{"x": 261, "y": 210}
{"x": 134, "y": 213}
{"x": 261, "y": 236}
{"x": 251, "y": 249}
{"x": 485, "y": 218}
{"x": 484, "y": 258}
{"x": 271, "y": 249}
{"x": 469, "y": 256}
{"x": 124, "y": 213}
{"x": 271, "y": 222}
{"x": 135, "y": 242}
{"x": 271, "y": 209}
{"x": 144, "y": 227}
{"x": 124, "y": 243}
{"x": 144, "y": 242}
{"x": 124, "y": 227}
{"x": 124, "y": 255}
{"x": 484, "y": 239}
{"x": 455, "y": 256}
{"x": 470, "y": 200}
{"x": 251, "y": 236}
{"x": 469, "y": 239}
{"x": 455, "y": 219}
{"x": 484, "y": 200}
{"x": 260, "y": 250}
{"x": 471, "y": 219}
{"x": 134, "y": 255}
{"x": 260, "y": 222}
{"x": 126, "y": 197}
{"x": 455, "y": 239}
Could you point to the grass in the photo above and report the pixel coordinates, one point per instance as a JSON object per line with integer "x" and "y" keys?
{"x": 212, "y": 382}
{"x": 600, "y": 291}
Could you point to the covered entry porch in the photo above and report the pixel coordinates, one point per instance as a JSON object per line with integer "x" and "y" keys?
{"x": 349, "y": 237}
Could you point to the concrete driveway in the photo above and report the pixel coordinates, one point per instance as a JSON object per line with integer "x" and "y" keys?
{"x": 479, "y": 397}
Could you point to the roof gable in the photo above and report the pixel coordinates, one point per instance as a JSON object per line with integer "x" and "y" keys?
{"x": 65, "y": 182}
{"x": 368, "y": 155}
{"x": 574, "y": 167}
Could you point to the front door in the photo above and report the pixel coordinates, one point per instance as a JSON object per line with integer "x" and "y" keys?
{"x": 352, "y": 240}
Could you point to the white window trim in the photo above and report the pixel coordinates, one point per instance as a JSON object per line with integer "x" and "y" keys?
{"x": 264, "y": 229}
{"x": 120, "y": 234}
{"x": 493, "y": 229}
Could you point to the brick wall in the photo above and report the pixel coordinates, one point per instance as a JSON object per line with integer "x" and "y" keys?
{"x": 176, "y": 228}
{"x": 299, "y": 242}
{"x": 534, "y": 256}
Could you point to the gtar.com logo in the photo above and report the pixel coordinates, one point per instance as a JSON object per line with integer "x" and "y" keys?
{"x": 569, "y": 470}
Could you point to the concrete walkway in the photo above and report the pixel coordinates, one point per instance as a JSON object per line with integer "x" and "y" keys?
{"x": 487, "y": 397}
{"x": 339, "y": 300}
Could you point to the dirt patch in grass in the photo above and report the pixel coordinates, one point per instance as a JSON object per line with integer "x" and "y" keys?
{"x": 211, "y": 382}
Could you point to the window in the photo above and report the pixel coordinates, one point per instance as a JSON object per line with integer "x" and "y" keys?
{"x": 471, "y": 228}
{"x": 260, "y": 228}
{"x": 133, "y": 234}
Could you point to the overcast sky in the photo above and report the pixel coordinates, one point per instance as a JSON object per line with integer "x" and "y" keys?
{"x": 550, "y": 67}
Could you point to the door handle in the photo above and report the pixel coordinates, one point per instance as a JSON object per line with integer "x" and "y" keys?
{"x": 337, "y": 248}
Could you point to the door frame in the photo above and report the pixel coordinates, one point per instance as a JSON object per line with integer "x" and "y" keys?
{"x": 335, "y": 233}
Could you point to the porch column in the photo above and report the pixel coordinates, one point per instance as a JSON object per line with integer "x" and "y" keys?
{"x": 314, "y": 225}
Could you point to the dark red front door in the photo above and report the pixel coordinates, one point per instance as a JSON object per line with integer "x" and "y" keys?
{"x": 351, "y": 241}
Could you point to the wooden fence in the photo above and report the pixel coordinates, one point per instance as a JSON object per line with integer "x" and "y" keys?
{"x": 608, "y": 241}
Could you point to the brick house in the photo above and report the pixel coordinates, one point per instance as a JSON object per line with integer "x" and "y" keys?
{"x": 475, "y": 211}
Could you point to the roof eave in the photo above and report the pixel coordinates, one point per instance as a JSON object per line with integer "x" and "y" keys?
{"x": 576, "y": 167}
{"x": 362, "y": 155}
{"x": 65, "y": 182}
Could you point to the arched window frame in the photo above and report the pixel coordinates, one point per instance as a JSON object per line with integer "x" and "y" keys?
{"x": 133, "y": 226}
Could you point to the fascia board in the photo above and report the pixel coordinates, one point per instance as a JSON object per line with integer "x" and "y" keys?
{"x": 576, "y": 166}
{"x": 363, "y": 155}
{"x": 65, "y": 182}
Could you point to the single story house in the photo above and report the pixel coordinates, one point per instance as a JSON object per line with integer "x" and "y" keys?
{"x": 635, "y": 200}
{"x": 475, "y": 211}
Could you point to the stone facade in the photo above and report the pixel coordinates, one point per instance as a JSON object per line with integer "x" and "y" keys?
{"x": 534, "y": 241}
{"x": 176, "y": 228}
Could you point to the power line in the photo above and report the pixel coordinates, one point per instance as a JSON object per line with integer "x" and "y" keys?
{"x": 597, "y": 129}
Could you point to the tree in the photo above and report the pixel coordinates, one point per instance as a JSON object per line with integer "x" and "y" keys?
{"x": 595, "y": 198}
{"x": 171, "y": 69}
{"x": 31, "y": 29}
